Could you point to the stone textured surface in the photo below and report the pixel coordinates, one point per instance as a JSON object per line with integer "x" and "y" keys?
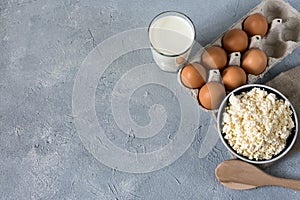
{"x": 43, "y": 43}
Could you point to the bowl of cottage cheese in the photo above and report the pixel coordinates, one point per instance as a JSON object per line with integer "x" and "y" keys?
{"x": 257, "y": 123}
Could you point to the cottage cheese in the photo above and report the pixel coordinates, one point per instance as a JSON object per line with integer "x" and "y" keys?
{"x": 257, "y": 124}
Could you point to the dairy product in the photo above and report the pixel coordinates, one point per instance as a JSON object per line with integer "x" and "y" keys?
{"x": 256, "y": 124}
{"x": 171, "y": 35}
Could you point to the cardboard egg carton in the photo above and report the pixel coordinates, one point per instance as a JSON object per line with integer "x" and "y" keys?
{"x": 282, "y": 38}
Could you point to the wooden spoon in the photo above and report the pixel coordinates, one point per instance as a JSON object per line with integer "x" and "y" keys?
{"x": 240, "y": 175}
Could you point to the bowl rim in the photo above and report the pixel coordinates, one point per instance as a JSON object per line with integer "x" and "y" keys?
{"x": 220, "y": 119}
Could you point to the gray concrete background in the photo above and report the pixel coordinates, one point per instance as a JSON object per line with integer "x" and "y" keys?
{"x": 43, "y": 44}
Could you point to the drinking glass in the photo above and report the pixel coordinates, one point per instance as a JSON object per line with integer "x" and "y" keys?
{"x": 171, "y": 36}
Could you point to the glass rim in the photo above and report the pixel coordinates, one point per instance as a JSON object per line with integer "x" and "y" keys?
{"x": 186, "y": 18}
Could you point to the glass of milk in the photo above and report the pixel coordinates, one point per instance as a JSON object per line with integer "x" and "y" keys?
{"x": 171, "y": 35}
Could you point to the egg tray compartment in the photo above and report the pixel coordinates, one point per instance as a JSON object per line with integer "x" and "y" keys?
{"x": 282, "y": 38}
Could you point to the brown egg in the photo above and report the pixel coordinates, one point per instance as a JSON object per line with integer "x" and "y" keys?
{"x": 180, "y": 60}
{"x": 235, "y": 40}
{"x": 254, "y": 61}
{"x": 256, "y": 24}
{"x": 214, "y": 57}
{"x": 193, "y": 75}
{"x": 211, "y": 95}
{"x": 233, "y": 77}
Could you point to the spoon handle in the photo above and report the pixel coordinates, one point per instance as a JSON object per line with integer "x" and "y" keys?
{"x": 284, "y": 182}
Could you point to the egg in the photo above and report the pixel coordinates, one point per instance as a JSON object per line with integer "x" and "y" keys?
{"x": 214, "y": 57}
{"x": 256, "y": 24}
{"x": 254, "y": 61}
{"x": 193, "y": 75}
{"x": 180, "y": 60}
{"x": 233, "y": 77}
{"x": 235, "y": 40}
{"x": 211, "y": 95}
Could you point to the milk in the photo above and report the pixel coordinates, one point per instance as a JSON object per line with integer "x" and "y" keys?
{"x": 171, "y": 35}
